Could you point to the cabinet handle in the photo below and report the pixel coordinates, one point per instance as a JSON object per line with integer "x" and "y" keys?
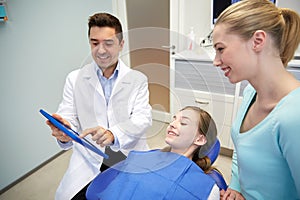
{"x": 169, "y": 47}
{"x": 202, "y": 102}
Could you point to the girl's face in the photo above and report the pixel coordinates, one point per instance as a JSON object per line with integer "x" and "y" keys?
{"x": 183, "y": 132}
{"x": 233, "y": 54}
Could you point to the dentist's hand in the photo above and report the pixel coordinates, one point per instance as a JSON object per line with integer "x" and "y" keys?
{"x": 58, "y": 134}
{"x": 102, "y": 136}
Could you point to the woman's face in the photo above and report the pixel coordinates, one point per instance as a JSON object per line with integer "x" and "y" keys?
{"x": 233, "y": 54}
{"x": 183, "y": 131}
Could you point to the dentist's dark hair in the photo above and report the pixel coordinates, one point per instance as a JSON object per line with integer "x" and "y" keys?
{"x": 106, "y": 20}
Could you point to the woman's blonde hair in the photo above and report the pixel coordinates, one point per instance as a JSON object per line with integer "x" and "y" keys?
{"x": 283, "y": 24}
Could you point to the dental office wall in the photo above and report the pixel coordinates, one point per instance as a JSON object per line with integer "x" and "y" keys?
{"x": 39, "y": 44}
{"x": 197, "y": 14}
{"x": 295, "y": 5}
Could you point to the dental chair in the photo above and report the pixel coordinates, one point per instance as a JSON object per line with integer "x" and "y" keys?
{"x": 129, "y": 182}
{"x": 215, "y": 174}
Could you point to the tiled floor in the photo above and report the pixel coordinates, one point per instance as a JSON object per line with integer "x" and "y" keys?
{"x": 42, "y": 184}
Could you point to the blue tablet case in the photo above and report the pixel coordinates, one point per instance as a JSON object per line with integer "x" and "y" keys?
{"x": 73, "y": 134}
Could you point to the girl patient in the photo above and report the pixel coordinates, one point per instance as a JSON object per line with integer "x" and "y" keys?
{"x": 178, "y": 171}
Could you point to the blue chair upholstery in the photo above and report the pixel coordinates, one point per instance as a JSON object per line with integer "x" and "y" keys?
{"x": 219, "y": 179}
{"x": 214, "y": 151}
{"x": 215, "y": 174}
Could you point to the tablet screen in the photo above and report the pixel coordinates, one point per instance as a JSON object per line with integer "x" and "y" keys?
{"x": 73, "y": 134}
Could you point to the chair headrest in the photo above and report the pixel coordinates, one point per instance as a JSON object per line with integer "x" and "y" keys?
{"x": 214, "y": 151}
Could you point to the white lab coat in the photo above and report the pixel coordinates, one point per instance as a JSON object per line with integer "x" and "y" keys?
{"x": 127, "y": 115}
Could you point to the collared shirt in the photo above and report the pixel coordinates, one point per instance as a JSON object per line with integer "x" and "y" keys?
{"x": 107, "y": 87}
{"x": 107, "y": 83}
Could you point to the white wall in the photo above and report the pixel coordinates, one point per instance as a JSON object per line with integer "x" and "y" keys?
{"x": 293, "y": 4}
{"x": 197, "y": 14}
{"x": 40, "y": 43}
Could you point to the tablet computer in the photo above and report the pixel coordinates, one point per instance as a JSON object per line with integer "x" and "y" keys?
{"x": 73, "y": 134}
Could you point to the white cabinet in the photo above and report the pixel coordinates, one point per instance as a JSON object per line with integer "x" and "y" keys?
{"x": 195, "y": 81}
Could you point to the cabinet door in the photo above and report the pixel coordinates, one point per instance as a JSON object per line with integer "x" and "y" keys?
{"x": 201, "y": 76}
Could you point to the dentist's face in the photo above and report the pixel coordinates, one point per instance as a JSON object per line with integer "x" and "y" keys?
{"x": 105, "y": 46}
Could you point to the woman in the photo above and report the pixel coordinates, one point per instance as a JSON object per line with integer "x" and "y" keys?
{"x": 170, "y": 173}
{"x": 254, "y": 41}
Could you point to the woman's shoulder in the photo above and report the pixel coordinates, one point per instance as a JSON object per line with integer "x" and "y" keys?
{"x": 290, "y": 103}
